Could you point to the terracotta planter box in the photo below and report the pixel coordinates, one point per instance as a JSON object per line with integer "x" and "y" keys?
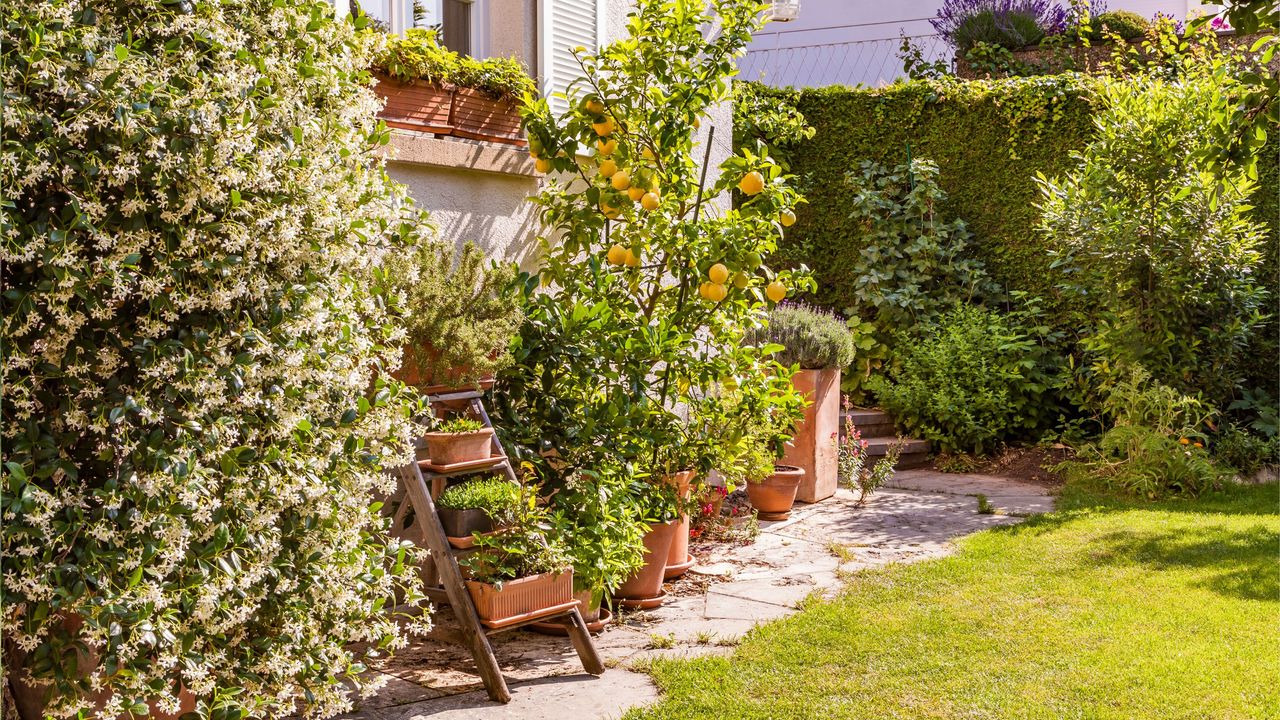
{"x": 520, "y": 599}
{"x": 478, "y": 116}
{"x": 774, "y": 496}
{"x": 416, "y": 105}
{"x": 813, "y": 449}
{"x": 451, "y": 448}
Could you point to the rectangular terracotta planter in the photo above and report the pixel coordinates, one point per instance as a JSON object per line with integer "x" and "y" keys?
{"x": 416, "y": 105}
{"x": 453, "y": 448}
{"x": 814, "y": 447}
{"x": 479, "y": 116}
{"x": 521, "y": 599}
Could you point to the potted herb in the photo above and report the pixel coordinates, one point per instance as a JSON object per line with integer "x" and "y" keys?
{"x": 520, "y": 570}
{"x": 462, "y": 316}
{"x": 459, "y": 440}
{"x": 819, "y": 344}
{"x": 477, "y": 506}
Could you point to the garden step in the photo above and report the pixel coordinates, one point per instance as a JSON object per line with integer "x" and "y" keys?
{"x": 914, "y": 454}
{"x": 871, "y": 423}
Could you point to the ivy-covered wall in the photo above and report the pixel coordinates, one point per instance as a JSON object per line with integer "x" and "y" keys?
{"x": 989, "y": 138}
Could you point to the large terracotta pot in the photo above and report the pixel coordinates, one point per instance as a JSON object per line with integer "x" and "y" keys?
{"x": 410, "y": 374}
{"x": 678, "y": 560}
{"x": 645, "y": 586}
{"x": 774, "y": 496}
{"x": 813, "y": 449}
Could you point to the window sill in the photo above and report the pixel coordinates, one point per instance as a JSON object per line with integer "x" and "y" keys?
{"x": 449, "y": 152}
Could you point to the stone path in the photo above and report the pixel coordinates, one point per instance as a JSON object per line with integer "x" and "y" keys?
{"x": 732, "y": 589}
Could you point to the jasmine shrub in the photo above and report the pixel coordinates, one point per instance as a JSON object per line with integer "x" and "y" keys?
{"x": 196, "y": 329}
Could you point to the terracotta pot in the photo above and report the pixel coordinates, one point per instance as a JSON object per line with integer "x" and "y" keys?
{"x": 31, "y": 700}
{"x": 774, "y": 496}
{"x": 479, "y": 116}
{"x": 679, "y": 552}
{"x": 518, "y": 599}
{"x": 646, "y": 583}
{"x": 813, "y": 449}
{"x": 450, "y": 448}
{"x": 416, "y": 105}
{"x": 452, "y": 380}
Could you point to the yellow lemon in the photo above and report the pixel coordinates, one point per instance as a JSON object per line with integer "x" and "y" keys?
{"x": 751, "y": 183}
{"x": 697, "y": 123}
{"x": 751, "y": 260}
{"x": 718, "y": 273}
{"x": 594, "y": 106}
{"x": 702, "y": 290}
{"x": 608, "y": 168}
{"x": 621, "y": 180}
{"x": 716, "y": 292}
{"x": 741, "y": 280}
{"x": 787, "y": 218}
{"x": 633, "y": 258}
{"x": 609, "y": 211}
{"x": 604, "y": 127}
{"x": 607, "y": 147}
{"x": 543, "y": 165}
{"x": 635, "y": 192}
{"x": 647, "y": 154}
{"x": 617, "y": 255}
{"x": 776, "y": 291}
{"x": 649, "y": 201}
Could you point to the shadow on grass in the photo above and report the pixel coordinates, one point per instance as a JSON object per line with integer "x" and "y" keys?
{"x": 1235, "y": 562}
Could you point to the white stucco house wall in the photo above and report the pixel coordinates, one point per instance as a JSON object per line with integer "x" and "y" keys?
{"x": 851, "y": 42}
{"x": 479, "y": 190}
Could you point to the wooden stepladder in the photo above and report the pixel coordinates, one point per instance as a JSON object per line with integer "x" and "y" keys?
{"x": 421, "y": 483}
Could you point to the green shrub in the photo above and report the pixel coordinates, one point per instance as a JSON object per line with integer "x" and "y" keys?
{"x": 1156, "y": 444}
{"x": 197, "y": 331}
{"x": 458, "y": 425}
{"x": 975, "y": 379}
{"x": 528, "y": 545}
{"x": 1245, "y": 451}
{"x": 811, "y": 338}
{"x": 1126, "y": 24}
{"x": 416, "y": 55}
{"x": 499, "y": 497}
{"x": 1012, "y": 30}
{"x": 1142, "y": 235}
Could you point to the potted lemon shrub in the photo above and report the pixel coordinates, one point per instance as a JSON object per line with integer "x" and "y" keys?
{"x": 818, "y": 344}
{"x": 651, "y": 275}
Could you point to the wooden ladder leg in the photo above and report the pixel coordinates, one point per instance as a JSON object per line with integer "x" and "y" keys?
{"x": 581, "y": 638}
{"x": 451, "y": 578}
{"x": 477, "y": 407}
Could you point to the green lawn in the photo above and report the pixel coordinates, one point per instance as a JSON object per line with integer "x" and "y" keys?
{"x": 1103, "y": 609}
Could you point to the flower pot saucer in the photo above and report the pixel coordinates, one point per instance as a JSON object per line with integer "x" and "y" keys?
{"x": 465, "y": 466}
{"x": 648, "y": 603}
{"x": 555, "y": 628}
{"x": 773, "y": 516}
{"x": 674, "y": 571}
{"x": 461, "y": 543}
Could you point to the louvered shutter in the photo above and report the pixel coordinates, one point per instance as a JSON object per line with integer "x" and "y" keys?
{"x": 566, "y": 24}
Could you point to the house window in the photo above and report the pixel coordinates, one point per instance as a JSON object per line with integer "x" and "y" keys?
{"x": 565, "y": 24}
{"x": 451, "y": 19}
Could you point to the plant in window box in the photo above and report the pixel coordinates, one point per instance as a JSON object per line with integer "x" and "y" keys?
{"x": 519, "y": 570}
{"x": 463, "y": 314}
{"x": 458, "y": 440}
{"x": 820, "y": 344}
{"x": 477, "y": 506}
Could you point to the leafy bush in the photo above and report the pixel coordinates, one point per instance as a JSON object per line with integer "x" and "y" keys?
{"x": 416, "y": 55}
{"x": 1247, "y": 452}
{"x": 1162, "y": 257}
{"x": 972, "y": 381}
{"x": 1125, "y": 24}
{"x": 197, "y": 329}
{"x": 499, "y": 497}
{"x": 458, "y": 425}
{"x": 1008, "y": 23}
{"x": 529, "y": 545}
{"x": 463, "y": 313}
{"x": 811, "y": 338}
{"x": 1156, "y": 445}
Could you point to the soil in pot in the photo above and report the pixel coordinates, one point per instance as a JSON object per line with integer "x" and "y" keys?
{"x": 774, "y": 496}
{"x": 646, "y": 583}
{"x": 451, "y": 448}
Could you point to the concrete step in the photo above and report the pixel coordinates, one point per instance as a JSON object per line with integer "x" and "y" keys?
{"x": 914, "y": 454}
{"x": 871, "y": 423}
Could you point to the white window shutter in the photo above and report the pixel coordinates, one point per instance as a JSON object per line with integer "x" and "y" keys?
{"x": 565, "y": 24}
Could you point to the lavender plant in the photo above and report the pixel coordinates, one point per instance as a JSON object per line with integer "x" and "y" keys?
{"x": 1008, "y": 23}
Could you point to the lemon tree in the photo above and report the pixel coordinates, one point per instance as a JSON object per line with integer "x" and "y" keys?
{"x": 649, "y": 278}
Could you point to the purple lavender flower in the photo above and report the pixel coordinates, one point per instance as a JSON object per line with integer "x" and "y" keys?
{"x": 1008, "y": 23}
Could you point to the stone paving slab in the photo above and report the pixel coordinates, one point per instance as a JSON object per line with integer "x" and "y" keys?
{"x": 730, "y": 591}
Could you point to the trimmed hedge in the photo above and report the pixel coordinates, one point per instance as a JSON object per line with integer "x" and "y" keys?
{"x": 989, "y": 138}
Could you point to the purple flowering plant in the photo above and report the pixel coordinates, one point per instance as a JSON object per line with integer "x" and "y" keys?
{"x": 1008, "y": 23}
